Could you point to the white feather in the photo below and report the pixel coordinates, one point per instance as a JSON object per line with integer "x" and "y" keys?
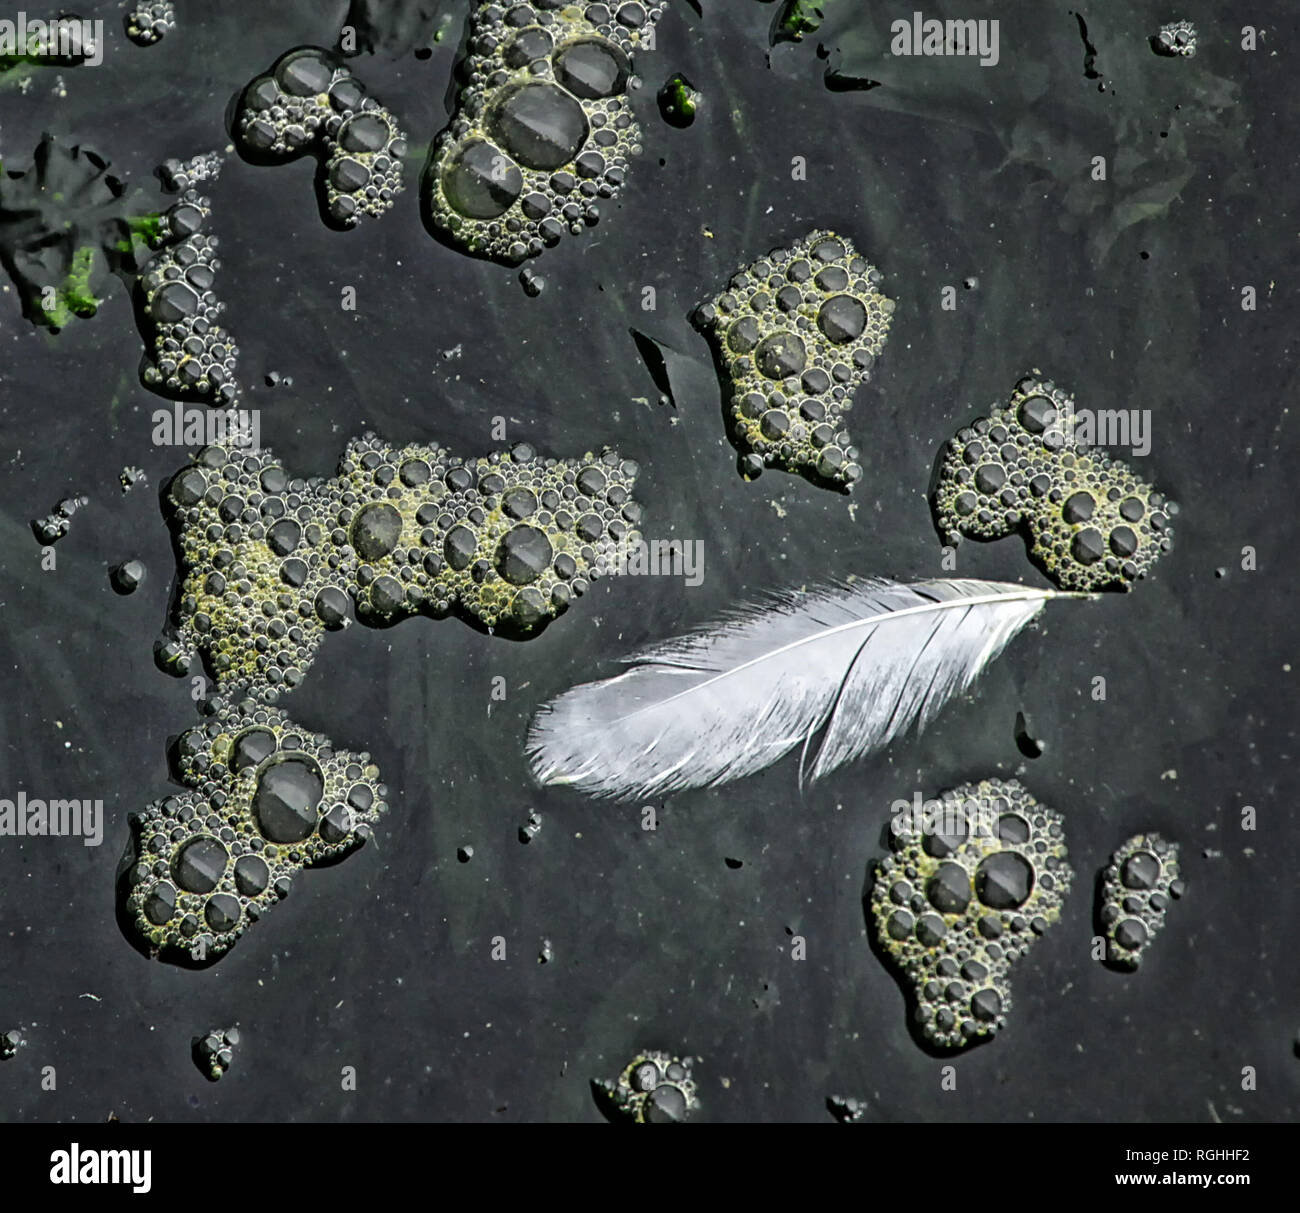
{"x": 862, "y": 662}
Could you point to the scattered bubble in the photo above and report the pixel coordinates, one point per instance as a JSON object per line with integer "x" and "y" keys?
{"x": 542, "y": 132}
{"x": 310, "y": 102}
{"x": 129, "y": 477}
{"x": 975, "y": 900}
{"x": 847, "y": 1109}
{"x": 1175, "y": 40}
{"x": 531, "y": 828}
{"x": 127, "y": 577}
{"x": 465, "y": 853}
{"x": 532, "y": 283}
{"x": 10, "y": 1042}
{"x": 654, "y": 1088}
{"x": 1090, "y": 524}
{"x": 177, "y": 176}
{"x": 546, "y": 953}
{"x": 795, "y": 334}
{"x": 214, "y": 1052}
{"x": 1135, "y": 894}
{"x": 55, "y": 525}
{"x": 150, "y": 21}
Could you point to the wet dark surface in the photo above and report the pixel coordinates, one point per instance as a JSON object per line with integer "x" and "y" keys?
{"x": 1127, "y": 292}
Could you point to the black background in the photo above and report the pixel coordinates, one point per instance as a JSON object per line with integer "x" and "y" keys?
{"x": 1125, "y": 291}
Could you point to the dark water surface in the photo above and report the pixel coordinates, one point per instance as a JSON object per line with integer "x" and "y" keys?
{"x": 1127, "y": 292}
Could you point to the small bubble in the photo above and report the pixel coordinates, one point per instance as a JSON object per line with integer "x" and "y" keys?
{"x": 127, "y": 576}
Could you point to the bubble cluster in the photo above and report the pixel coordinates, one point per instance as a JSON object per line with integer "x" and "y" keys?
{"x": 953, "y": 908}
{"x": 310, "y": 102}
{"x": 543, "y": 132}
{"x": 655, "y": 1088}
{"x": 65, "y": 225}
{"x": 58, "y": 523}
{"x": 150, "y": 21}
{"x": 188, "y": 356}
{"x": 179, "y": 175}
{"x": 847, "y": 1109}
{"x": 1134, "y": 896}
{"x": 214, "y": 1052}
{"x": 271, "y": 562}
{"x": 1089, "y": 522}
{"x": 1177, "y": 39}
{"x": 795, "y": 334}
{"x": 263, "y": 800}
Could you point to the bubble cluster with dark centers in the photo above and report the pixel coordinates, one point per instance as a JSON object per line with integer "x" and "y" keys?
{"x": 263, "y": 800}
{"x": 1135, "y": 893}
{"x": 956, "y": 905}
{"x": 188, "y": 355}
{"x": 542, "y": 133}
{"x": 310, "y": 102}
{"x": 795, "y": 334}
{"x": 1175, "y": 40}
{"x": 271, "y": 562}
{"x": 655, "y": 1088}
{"x": 1090, "y": 523}
{"x": 214, "y": 1052}
{"x": 179, "y": 175}
{"x": 149, "y": 21}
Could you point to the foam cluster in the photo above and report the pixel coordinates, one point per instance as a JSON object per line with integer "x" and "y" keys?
{"x": 654, "y": 1088}
{"x": 1090, "y": 523}
{"x": 214, "y": 1052}
{"x": 1177, "y": 40}
{"x": 310, "y": 102}
{"x": 264, "y": 799}
{"x": 1135, "y": 894}
{"x": 188, "y": 355}
{"x": 795, "y": 334}
{"x": 270, "y": 562}
{"x": 542, "y": 133}
{"x": 150, "y": 21}
{"x": 955, "y": 906}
